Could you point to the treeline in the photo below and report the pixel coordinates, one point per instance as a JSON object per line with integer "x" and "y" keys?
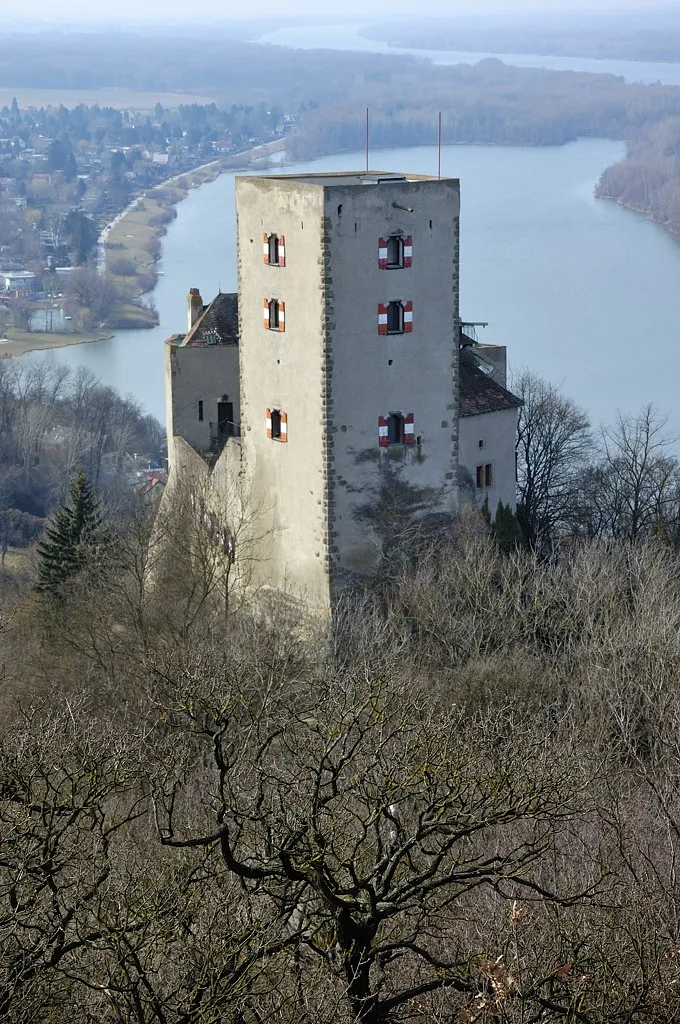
{"x": 489, "y": 102}
{"x": 622, "y": 35}
{"x": 83, "y": 129}
{"x": 463, "y": 807}
{"x": 649, "y": 178}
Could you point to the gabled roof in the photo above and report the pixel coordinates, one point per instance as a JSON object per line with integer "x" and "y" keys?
{"x": 217, "y": 325}
{"x": 480, "y": 394}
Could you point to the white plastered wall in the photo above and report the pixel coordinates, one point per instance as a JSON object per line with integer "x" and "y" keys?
{"x": 497, "y": 431}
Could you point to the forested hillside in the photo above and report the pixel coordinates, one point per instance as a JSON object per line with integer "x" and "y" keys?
{"x": 649, "y": 35}
{"x": 465, "y": 808}
{"x": 461, "y": 804}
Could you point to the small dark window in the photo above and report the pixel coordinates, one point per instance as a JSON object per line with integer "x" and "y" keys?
{"x": 481, "y": 442}
{"x": 395, "y": 252}
{"x": 200, "y": 409}
{"x": 484, "y": 476}
{"x": 395, "y": 428}
{"x": 340, "y": 210}
{"x": 395, "y": 318}
{"x": 274, "y": 250}
{"x": 276, "y": 423}
{"x": 274, "y": 315}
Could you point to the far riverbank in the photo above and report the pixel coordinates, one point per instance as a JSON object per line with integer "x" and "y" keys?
{"x": 18, "y": 343}
{"x": 131, "y": 245}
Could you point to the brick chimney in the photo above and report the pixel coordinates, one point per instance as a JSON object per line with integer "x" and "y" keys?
{"x": 194, "y": 307}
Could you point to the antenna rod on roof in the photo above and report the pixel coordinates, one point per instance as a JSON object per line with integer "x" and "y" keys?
{"x": 439, "y": 147}
{"x": 366, "y": 140}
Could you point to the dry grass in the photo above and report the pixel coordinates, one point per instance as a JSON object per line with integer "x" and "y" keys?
{"x": 128, "y": 237}
{"x": 20, "y": 342}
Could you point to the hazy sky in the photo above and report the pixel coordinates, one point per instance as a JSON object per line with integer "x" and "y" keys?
{"x": 192, "y": 10}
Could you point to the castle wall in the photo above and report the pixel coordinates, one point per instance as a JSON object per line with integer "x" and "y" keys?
{"x": 196, "y": 374}
{"x": 498, "y": 432}
{"x": 285, "y": 482}
{"x": 371, "y": 375}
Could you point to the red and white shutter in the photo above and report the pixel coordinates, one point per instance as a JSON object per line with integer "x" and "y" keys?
{"x": 382, "y": 318}
{"x": 383, "y": 439}
{"x": 282, "y": 316}
{"x": 382, "y": 254}
{"x": 284, "y": 427}
{"x": 409, "y": 429}
{"x": 408, "y": 251}
{"x": 408, "y": 317}
{"x": 266, "y": 314}
{"x": 268, "y": 421}
{"x": 265, "y": 247}
{"x": 282, "y": 251}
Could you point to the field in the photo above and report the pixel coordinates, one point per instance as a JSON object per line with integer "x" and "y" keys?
{"x": 20, "y": 342}
{"x": 121, "y": 99}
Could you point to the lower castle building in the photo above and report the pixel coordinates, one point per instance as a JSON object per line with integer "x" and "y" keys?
{"x": 337, "y": 397}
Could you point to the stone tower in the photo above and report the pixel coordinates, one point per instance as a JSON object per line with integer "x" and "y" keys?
{"x": 348, "y": 361}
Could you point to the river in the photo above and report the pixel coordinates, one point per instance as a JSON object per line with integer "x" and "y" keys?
{"x": 582, "y": 291}
{"x": 347, "y": 37}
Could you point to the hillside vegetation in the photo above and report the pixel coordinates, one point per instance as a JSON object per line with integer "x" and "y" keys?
{"x": 460, "y": 803}
{"x": 463, "y": 809}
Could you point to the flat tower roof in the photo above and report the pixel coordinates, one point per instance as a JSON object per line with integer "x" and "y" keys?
{"x": 328, "y": 179}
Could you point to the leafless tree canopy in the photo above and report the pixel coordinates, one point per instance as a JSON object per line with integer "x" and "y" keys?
{"x": 462, "y": 806}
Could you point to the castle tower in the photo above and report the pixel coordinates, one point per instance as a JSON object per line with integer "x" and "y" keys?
{"x": 348, "y": 358}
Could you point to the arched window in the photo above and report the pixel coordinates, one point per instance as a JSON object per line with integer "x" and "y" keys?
{"x": 395, "y": 318}
{"x": 395, "y": 428}
{"x": 274, "y": 250}
{"x": 395, "y": 252}
{"x": 274, "y": 315}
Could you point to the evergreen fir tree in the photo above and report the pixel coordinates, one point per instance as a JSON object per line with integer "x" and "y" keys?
{"x": 506, "y": 530}
{"x": 72, "y": 541}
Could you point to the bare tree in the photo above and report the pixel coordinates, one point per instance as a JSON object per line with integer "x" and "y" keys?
{"x": 91, "y": 295}
{"x": 634, "y": 488}
{"x": 374, "y": 820}
{"x": 553, "y": 443}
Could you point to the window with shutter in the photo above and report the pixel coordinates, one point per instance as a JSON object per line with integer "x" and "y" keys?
{"x": 383, "y": 439}
{"x": 277, "y": 425}
{"x": 409, "y": 429}
{"x": 382, "y": 254}
{"x": 282, "y": 316}
{"x": 408, "y": 317}
{"x": 273, "y": 251}
{"x": 395, "y": 428}
{"x": 408, "y": 251}
{"x": 266, "y": 314}
{"x": 382, "y": 318}
{"x": 282, "y": 251}
{"x": 265, "y": 247}
{"x": 395, "y": 252}
{"x": 395, "y": 318}
{"x": 273, "y": 315}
